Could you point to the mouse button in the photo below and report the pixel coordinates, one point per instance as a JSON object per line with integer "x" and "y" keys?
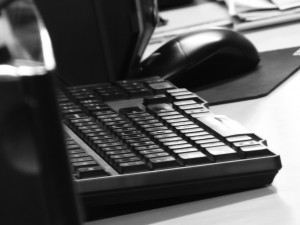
{"x": 242, "y": 44}
{"x": 198, "y": 45}
{"x": 166, "y": 61}
{"x": 151, "y": 59}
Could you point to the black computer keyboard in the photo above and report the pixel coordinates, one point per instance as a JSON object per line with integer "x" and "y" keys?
{"x": 140, "y": 140}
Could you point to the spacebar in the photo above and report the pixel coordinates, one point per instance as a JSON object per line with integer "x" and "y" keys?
{"x": 223, "y": 126}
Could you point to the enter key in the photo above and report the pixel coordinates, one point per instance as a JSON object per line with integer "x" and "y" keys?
{"x": 223, "y": 126}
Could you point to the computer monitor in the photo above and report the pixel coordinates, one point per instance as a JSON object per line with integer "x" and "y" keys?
{"x": 98, "y": 41}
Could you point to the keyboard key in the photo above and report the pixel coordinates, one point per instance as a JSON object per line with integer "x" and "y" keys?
{"x": 90, "y": 127}
{"x": 238, "y": 138}
{"x": 196, "y": 111}
{"x": 95, "y": 130}
{"x": 201, "y": 133}
{"x": 182, "y": 103}
{"x": 147, "y": 122}
{"x": 81, "y": 120}
{"x": 191, "y": 130}
{"x": 170, "y": 113}
{"x": 193, "y": 158}
{"x": 255, "y": 150}
{"x": 85, "y": 123}
{"x": 77, "y": 165}
{"x": 109, "y": 96}
{"x": 139, "y": 144}
{"x": 132, "y": 137}
{"x": 181, "y": 146}
{"x": 180, "y": 93}
{"x": 77, "y": 155}
{"x": 121, "y": 156}
{"x": 206, "y": 140}
{"x": 167, "y": 135}
{"x": 160, "y": 87}
{"x": 202, "y": 137}
{"x": 172, "y": 117}
{"x": 158, "y": 130}
{"x": 126, "y": 160}
{"x": 76, "y": 116}
{"x": 81, "y": 159}
{"x": 245, "y": 143}
{"x": 141, "y": 118}
{"x": 155, "y": 155}
{"x": 223, "y": 126}
{"x": 176, "y": 138}
{"x": 174, "y": 143}
{"x": 214, "y": 144}
{"x": 118, "y": 152}
{"x": 220, "y": 153}
{"x": 176, "y": 90}
{"x": 163, "y": 162}
{"x": 73, "y": 147}
{"x": 88, "y": 172}
{"x": 180, "y": 124}
{"x": 90, "y": 101}
{"x": 146, "y": 147}
{"x": 184, "y": 150}
{"x": 160, "y": 108}
{"x": 187, "y": 97}
{"x": 192, "y": 106}
{"x": 145, "y": 152}
{"x": 152, "y": 125}
{"x": 113, "y": 144}
{"x": 108, "y": 138}
{"x": 113, "y": 148}
{"x": 132, "y": 167}
{"x": 76, "y": 151}
{"x": 139, "y": 92}
{"x": 141, "y": 114}
{"x": 172, "y": 121}
{"x": 184, "y": 127}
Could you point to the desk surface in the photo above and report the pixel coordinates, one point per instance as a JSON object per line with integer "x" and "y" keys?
{"x": 276, "y": 118}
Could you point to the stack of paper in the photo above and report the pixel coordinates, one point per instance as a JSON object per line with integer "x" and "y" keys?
{"x": 260, "y": 13}
{"x": 201, "y": 14}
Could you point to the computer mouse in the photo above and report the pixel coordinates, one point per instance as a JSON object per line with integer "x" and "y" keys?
{"x": 202, "y": 58}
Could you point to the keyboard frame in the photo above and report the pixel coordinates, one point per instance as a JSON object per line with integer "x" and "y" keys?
{"x": 205, "y": 179}
{"x": 201, "y": 179}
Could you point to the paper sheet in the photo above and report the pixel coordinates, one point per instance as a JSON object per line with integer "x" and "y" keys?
{"x": 286, "y": 4}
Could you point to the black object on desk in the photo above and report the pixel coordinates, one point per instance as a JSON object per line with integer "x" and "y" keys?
{"x": 98, "y": 41}
{"x": 199, "y": 58}
{"x": 275, "y": 67}
{"x": 36, "y": 184}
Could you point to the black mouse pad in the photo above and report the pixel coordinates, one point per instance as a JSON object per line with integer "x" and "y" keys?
{"x": 274, "y": 68}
